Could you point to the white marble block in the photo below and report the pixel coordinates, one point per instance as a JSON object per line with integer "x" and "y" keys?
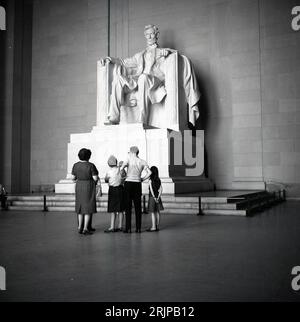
{"x": 154, "y": 148}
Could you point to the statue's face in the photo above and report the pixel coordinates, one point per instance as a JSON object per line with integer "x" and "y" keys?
{"x": 151, "y": 36}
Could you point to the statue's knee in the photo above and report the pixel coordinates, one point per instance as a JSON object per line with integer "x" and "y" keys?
{"x": 116, "y": 83}
{"x": 116, "y": 80}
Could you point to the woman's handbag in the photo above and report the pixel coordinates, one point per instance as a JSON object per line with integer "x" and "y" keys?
{"x": 98, "y": 190}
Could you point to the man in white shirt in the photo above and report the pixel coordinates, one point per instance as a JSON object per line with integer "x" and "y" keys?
{"x": 133, "y": 187}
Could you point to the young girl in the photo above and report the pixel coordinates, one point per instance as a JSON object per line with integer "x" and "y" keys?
{"x": 115, "y": 177}
{"x": 122, "y": 213}
{"x": 155, "y": 203}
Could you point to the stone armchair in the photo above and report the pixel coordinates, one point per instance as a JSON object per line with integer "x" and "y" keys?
{"x": 164, "y": 115}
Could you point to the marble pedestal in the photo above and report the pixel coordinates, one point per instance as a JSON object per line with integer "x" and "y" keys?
{"x": 154, "y": 148}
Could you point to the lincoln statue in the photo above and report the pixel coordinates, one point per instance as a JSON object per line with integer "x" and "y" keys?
{"x": 144, "y": 75}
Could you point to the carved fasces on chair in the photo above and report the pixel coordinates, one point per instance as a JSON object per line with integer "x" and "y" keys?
{"x": 160, "y": 115}
{"x": 103, "y": 92}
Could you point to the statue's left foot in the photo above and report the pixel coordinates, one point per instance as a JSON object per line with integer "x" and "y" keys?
{"x": 141, "y": 119}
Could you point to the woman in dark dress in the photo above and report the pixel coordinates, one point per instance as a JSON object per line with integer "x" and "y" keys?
{"x": 86, "y": 176}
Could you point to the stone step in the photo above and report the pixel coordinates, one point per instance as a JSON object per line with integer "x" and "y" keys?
{"x": 180, "y": 211}
{"x": 167, "y": 198}
{"x": 225, "y": 212}
{"x": 26, "y": 208}
{"x": 239, "y": 206}
{"x": 72, "y": 209}
{"x": 167, "y": 205}
{"x": 218, "y": 206}
{"x": 104, "y": 210}
{"x": 180, "y": 201}
{"x": 264, "y": 204}
{"x": 50, "y": 203}
{"x": 64, "y": 206}
{"x": 219, "y": 200}
{"x": 25, "y": 198}
{"x": 30, "y": 203}
{"x": 41, "y": 198}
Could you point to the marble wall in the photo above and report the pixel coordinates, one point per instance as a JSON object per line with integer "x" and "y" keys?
{"x": 6, "y": 66}
{"x": 15, "y": 96}
{"x": 280, "y": 85}
{"x": 247, "y": 61}
{"x": 69, "y": 36}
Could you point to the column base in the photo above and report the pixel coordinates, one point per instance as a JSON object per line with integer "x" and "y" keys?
{"x": 248, "y": 185}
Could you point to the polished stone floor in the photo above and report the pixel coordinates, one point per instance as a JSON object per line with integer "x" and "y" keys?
{"x": 191, "y": 259}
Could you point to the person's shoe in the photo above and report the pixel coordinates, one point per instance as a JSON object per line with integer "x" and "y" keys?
{"x": 127, "y": 231}
{"x": 87, "y": 232}
{"x": 109, "y": 230}
{"x": 151, "y": 230}
{"x": 138, "y": 231}
{"x": 80, "y": 231}
{"x": 92, "y": 229}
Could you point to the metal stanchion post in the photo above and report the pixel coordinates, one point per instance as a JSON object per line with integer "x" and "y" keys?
{"x": 200, "y": 213}
{"x": 283, "y": 195}
{"x": 45, "y": 204}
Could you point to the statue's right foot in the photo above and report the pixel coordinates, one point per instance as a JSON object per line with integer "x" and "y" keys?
{"x": 113, "y": 121}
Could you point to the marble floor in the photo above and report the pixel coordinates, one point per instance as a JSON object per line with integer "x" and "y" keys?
{"x": 192, "y": 258}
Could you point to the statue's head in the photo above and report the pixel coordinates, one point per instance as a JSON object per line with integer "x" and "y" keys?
{"x": 151, "y": 33}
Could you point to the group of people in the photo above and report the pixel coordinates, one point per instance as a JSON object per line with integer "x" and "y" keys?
{"x": 125, "y": 186}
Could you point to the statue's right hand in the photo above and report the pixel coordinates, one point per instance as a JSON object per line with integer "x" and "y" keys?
{"x": 104, "y": 60}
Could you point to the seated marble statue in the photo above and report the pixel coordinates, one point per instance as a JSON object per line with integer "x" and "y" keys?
{"x": 144, "y": 74}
